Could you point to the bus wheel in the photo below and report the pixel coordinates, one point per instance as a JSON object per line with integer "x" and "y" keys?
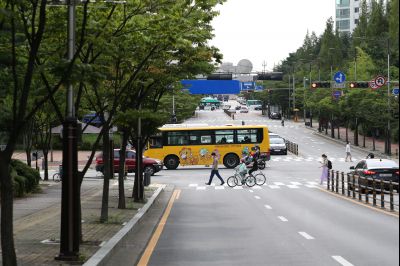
{"x": 171, "y": 162}
{"x": 231, "y": 160}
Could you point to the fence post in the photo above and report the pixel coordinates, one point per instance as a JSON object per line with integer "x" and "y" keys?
{"x": 373, "y": 192}
{"x": 391, "y": 196}
{"x": 366, "y": 192}
{"x": 342, "y": 175}
{"x": 354, "y": 186}
{"x": 328, "y": 182}
{"x": 382, "y": 196}
{"x": 332, "y": 175}
{"x": 348, "y": 185}
{"x": 359, "y": 189}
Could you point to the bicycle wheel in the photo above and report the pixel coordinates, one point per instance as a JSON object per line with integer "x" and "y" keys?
{"x": 56, "y": 177}
{"x": 260, "y": 179}
{"x": 250, "y": 181}
{"x": 231, "y": 181}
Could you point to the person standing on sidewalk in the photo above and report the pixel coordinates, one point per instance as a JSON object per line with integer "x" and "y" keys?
{"x": 325, "y": 170}
{"x": 214, "y": 170}
{"x": 348, "y": 152}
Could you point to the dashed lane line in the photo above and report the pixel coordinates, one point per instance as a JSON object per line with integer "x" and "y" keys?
{"x": 268, "y": 207}
{"x": 283, "y": 219}
{"x": 306, "y": 236}
{"x": 257, "y": 197}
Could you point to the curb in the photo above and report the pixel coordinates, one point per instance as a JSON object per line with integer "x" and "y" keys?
{"x": 107, "y": 249}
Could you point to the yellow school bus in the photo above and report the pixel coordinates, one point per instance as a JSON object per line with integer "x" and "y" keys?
{"x": 192, "y": 145}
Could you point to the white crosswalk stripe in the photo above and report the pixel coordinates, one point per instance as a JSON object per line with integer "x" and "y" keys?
{"x": 273, "y": 185}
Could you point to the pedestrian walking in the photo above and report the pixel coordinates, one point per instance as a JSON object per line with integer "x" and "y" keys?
{"x": 214, "y": 170}
{"x": 348, "y": 152}
{"x": 283, "y": 122}
{"x": 324, "y": 166}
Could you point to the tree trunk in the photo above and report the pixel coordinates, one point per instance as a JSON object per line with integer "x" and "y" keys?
{"x": 106, "y": 179}
{"x": 121, "y": 170}
{"x": 332, "y": 129}
{"x": 356, "y": 134}
{"x": 138, "y": 188}
{"x": 364, "y": 136}
{"x": 338, "y": 131}
{"x": 373, "y": 139}
{"x": 347, "y": 131}
{"x": 45, "y": 164}
{"x": 6, "y": 190}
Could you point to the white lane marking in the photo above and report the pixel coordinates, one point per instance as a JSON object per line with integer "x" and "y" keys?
{"x": 258, "y": 187}
{"x": 311, "y": 186}
{"x": 279, "y": 183}
{"x": 219, "y": 188}
{"x": 274, "y": 187}
{"x": 292, "y": 186}
{"x": 342, "y": 261}
{"x": 312, "y": 183}
{"x": 306, "y": 236}
{"x": 200, "y": 188}
{"x": 283, "y": 219}
{"x": 296, "y": 183}
{"x": 251, "y": 191}
{"x": 268, "y": 207}
{"x": 193, "y": 185}
{"x": 238, "y": 187}
{"x": 257, "y": 197}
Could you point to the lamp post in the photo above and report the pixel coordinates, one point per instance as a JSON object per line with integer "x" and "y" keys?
{"x": 70, "y": 205}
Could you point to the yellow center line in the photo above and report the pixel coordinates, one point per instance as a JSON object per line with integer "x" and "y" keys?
{"x": 144, "y": 260}
{"x": 360, "y": 203}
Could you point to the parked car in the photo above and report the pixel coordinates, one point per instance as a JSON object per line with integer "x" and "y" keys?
{"x": 277, "y": 145}
{"x": 273, "y": 135}
{"x": 238, "y": 107}
{"x": 379, "y": 169}
{"x": 258, "y": 107}
{"x": 149, "y": 164}
{"x": 244, "y": 109}
{"x": 275, "y": 115}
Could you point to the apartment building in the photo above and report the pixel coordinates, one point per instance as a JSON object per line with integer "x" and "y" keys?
{"x": 347, "y": 15}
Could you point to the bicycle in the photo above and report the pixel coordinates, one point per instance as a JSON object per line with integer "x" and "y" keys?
{"x": 57, "y": 177}
{"x": 259, "y": 177}
{"x": 237, "y": 179}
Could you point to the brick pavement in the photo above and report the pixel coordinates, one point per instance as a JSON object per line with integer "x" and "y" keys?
{"x": 38, "y": 218}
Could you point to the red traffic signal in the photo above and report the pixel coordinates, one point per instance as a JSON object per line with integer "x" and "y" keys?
{"x": 355, "y": 84}
{"x": 322, "y": 84}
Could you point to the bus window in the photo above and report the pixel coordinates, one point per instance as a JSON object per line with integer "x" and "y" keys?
{"x": 178, "y": 138}
{"x": 206, "y": 139}
{"x": 247, "y": 136}
{"x": 155, "y": 142}
{"x": 224, "y": 136}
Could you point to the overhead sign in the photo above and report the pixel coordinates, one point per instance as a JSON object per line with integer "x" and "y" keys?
{"x": 339, "y": 85}
{"x": 380, "y": 81}
{"x": 248, "y": 86}
{"x": 212, "y": 86}
{"x": 395, "y": 91}
{"x": 339, "y": 77}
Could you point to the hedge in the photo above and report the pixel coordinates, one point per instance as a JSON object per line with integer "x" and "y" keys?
{"x": 25, "y": 179}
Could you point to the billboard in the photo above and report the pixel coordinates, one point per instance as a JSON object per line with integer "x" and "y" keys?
{"x": 212, "y": 86}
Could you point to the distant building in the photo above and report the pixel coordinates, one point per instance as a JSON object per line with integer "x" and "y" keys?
{"x": 347, "y": 15}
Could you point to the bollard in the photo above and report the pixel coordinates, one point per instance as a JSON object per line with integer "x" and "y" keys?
{"x": 367, "y": 192}
{"x": 373, "y": 192}
{"x": 354, "y": 187}
{"x": 391, "y": 196}
{"x": 342, "y": 175}
{"x": 337, "y": 181}
{"x": 332, "y": 175}
{"x": 328, "y": 182}
{"x": 382, "y": 196}
{"x": 348, "y": 185}
{"x": 359, "y": 189}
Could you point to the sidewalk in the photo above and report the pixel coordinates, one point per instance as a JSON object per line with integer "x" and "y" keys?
{"x": 37, "y": 220}
{"x": 379, "y": 144}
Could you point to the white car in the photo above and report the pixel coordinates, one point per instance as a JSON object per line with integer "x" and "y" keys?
{"x": 244, "y": 109}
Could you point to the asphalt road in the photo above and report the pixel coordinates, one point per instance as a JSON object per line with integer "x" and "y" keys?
{"x": 289, "y": 221}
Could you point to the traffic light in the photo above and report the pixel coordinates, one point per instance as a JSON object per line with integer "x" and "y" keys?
{"x": 321, "y": 84}
{"x": 356, "y": 84}
{"x": 270, "y": 76}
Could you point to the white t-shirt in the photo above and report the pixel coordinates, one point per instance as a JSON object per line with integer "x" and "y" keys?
{"x": 348, "y": 148}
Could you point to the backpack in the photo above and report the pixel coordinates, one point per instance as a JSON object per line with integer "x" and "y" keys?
{"x": 329, "y": 165}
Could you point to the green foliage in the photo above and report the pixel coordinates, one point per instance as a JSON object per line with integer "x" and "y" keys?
{"x": 25, "y": 179}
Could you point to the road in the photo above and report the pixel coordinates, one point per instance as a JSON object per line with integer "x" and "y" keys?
{"x": 289, "y": 221}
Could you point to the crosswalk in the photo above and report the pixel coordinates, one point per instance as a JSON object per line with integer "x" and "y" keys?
{"x": 307, "y": 159}
{"x": 271, "y": 185}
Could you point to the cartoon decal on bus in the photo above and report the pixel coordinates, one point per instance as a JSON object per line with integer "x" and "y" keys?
{"x": 188, "y": 157}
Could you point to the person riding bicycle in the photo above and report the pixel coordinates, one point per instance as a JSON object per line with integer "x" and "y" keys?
{"x": 255, "y": 155}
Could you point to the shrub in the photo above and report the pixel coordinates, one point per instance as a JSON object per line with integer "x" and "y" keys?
{"x": 25, "y": 179}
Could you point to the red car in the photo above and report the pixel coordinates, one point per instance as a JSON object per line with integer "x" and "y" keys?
{"x": 149, "y": 164}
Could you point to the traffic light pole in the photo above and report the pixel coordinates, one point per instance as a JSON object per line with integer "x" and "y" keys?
{"x": 389, "y": 142}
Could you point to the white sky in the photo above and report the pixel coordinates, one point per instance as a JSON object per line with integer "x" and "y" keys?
{"x": 267, "y": 30}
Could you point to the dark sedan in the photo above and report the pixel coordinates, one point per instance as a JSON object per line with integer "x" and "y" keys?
{"x": 274, "y": 115}
{"x": 376, "y": 169}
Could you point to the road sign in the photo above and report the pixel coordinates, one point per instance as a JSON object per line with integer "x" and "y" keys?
{"x": 339, "y": 85}
{"x": 373, "y": 85}
{"x": 395, "y": 91}
{"x": 380, "y": 81}
{"x": 339, "y": 77}
{"x": 337, "y": 94}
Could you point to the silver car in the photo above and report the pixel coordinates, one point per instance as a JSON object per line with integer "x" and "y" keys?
{"x": 278, "y": 145}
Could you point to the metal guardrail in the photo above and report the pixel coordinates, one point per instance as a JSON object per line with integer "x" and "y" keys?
{"x": 292, "y": 147}
{"x": 368, "y": 190}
